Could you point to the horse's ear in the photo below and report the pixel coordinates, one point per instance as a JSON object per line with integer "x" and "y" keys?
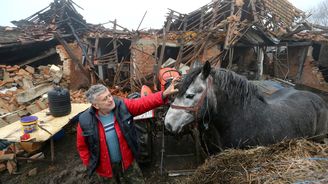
{"x": 206, "y": 70}
{"x": 196, "y": 64}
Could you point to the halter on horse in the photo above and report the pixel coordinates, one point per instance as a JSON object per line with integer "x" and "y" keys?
{"x": 195, "y": 108}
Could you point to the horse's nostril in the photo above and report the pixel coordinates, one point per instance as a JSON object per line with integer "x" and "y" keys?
{"x": 168, "y": 127}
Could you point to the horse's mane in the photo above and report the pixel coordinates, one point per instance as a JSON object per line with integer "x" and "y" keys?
{"x": 187, "y": 80}
{"x": 236, "y": 87}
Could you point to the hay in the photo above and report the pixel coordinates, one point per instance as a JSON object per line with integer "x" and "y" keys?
{"x": 293, "y": 161}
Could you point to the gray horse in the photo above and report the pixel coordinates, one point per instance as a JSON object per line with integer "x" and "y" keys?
{"x": 232, "y": 112}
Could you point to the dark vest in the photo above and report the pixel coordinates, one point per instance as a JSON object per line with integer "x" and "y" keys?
{"x": 89, "y": 124}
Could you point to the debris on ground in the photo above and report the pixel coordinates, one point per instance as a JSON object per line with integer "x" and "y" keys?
{"x": 257, "y": 39}
{"x": 294, "y": 161}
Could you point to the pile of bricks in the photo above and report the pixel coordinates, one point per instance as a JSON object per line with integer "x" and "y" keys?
{"x": 78, "y": 96}
{"x": 8, "y": 158}
{"x": 15, "y": 81}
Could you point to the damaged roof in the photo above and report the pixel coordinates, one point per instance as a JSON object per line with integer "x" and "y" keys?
{"x": 224, "y": 22}
{"x": 275, "y": 19}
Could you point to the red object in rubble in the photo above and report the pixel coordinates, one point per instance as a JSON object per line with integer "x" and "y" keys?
{"x": 25, "y": 137}
{"x": 167, "y": 74}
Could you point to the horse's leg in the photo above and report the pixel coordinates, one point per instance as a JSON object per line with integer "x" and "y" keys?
{"x": 321, "y": 125}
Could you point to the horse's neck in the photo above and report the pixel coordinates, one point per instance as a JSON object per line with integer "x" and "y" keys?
{"x": 241, "y": 93}
{"x": 228, "y": 108}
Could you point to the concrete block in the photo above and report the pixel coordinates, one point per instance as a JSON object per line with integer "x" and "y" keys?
{"x": 33, "y": 93}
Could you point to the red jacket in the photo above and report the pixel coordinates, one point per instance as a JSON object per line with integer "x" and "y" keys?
{"x": 135, "y": 107}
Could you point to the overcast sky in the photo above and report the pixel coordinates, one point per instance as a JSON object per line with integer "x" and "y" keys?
{"x": 127, "y": 12}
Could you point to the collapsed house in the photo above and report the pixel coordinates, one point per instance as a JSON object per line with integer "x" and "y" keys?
{"x": 259, "y": 39}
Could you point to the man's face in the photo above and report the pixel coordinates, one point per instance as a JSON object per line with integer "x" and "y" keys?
{"x": 104, "y": 102}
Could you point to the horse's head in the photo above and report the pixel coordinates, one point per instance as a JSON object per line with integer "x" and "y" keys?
{"x": 193, "y": 96}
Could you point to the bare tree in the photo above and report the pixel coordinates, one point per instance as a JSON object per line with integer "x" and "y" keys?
{"x": 319, "y": 14}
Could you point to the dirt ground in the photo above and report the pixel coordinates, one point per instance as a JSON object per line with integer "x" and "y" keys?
{"x": 68, "y": 168}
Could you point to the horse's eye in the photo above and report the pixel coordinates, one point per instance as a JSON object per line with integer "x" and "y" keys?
{"x": 190, "y": 96}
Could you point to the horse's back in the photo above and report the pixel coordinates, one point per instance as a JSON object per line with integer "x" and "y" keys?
{"x": 291, "y": 94}
{"x": 288, "y": 113}
{"x": 308, "y": 109}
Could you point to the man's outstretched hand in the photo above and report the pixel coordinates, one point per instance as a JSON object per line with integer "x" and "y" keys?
{"x": 171, "y": 90}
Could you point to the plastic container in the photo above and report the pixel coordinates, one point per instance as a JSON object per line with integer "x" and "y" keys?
{"x": 59, "y": 102}
{"x": 29, "y": 123}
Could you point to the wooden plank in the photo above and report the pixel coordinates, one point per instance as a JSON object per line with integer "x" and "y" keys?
{"x": 115, "y": 43}
{"x": 33, "y": 93}
{"x": 166, "y": 31}
{"x": 231, "y": 28}
{"x": 12, "y": 132}
{"x": 256, "y": 19}
{"x": 181, "y": 49}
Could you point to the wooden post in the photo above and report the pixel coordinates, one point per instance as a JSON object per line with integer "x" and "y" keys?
{"x": 231, "y": 27}
{"x": 256, "y": 19}
{"x": 165, "y": 31}
{"x": 202, "y": 18}
{"x": 260, "y": 58}
{"x": 177, "y": 63}
{"x": 115, "y": 42}
{"x": 301, "y": 65}
{"x": 100, "y": 67}
{"x": 133, "y": 42}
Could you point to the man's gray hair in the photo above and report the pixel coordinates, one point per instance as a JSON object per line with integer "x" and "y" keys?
{"x": 94, "y": 91}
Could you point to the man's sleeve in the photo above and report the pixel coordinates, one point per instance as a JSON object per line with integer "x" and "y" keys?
{"x": 82, "y": 147}
{"x": 141, "y": 105}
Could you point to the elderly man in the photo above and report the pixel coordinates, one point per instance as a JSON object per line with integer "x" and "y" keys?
{"x": 106, "y": 137}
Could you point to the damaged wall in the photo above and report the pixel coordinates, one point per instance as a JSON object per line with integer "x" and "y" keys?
{"x": 323, "y": 57}
{"x": 208, "y": 33}
{"x": 76, "y": 78}
{"x": 143, "y": 52}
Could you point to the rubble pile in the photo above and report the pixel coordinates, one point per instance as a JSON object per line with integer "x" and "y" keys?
{"x": 21, "y": 89}
{"x": 78, "y": 96}
{"x": 22, "y": 150}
